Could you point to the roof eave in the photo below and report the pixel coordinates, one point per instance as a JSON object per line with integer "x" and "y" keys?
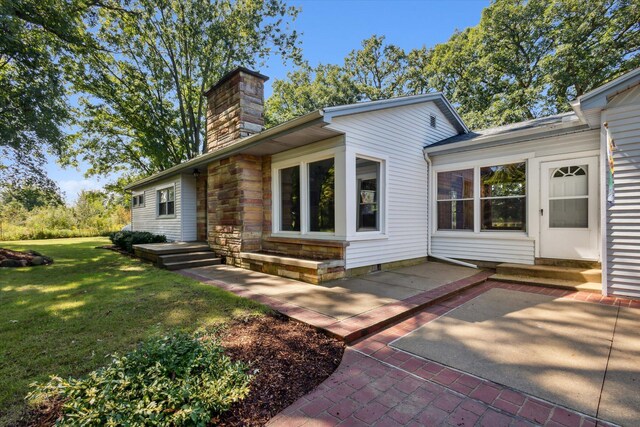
{"x": 519, "y": 136}
{"x": 238, "y": 147}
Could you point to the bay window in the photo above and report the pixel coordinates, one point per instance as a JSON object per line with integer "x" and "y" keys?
{"x": 305, "y": 194}
{"x": 482, "y": 199}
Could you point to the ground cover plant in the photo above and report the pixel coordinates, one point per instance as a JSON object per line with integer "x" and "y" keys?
{"x": 178, "y": 379}
{"x": 68, "y": 318}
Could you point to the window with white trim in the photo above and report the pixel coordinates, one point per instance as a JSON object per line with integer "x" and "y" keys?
{"x": 368, "y": 194}
{"x": 306, "y": 195}
{"x": 483, "y": 198}
{"x": 455, "y": 200}
{"x": 503, "y": 199}
{"x": 166, "y": 201}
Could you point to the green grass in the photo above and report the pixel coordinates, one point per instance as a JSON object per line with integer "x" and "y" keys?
{"x": 66, "y": 318}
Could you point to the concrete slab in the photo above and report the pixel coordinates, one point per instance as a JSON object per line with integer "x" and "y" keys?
{"x": 556, "y": 349}
{"x": 437, "y": 271}
{"x": 341, "y": 299}
{"x": 620, "y": 401}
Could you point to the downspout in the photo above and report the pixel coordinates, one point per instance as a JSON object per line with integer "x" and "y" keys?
{"x": 442, "y": 258}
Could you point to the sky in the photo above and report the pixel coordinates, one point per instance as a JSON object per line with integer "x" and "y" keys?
{"x": 330, "y": 29}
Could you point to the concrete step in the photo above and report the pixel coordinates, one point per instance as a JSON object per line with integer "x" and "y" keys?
{"x": 180, "y": 265}
{"x": 188, "y": 256}
{"x": 570, "y": 285}
{"x": 575, "y": 274}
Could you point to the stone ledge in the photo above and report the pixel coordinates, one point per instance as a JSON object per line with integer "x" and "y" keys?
{"x": 296, "y": 262}
{"x": 306, "y": 241}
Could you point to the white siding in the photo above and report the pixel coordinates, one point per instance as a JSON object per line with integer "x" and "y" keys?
{"x": 516, "y": 249}
{"x": 189, "y": 207}
{"x": 397, "y": 135}
{"x": 623, "y": 218}
{"x": 145, "y": 218}
{"x": 484, "y": 249}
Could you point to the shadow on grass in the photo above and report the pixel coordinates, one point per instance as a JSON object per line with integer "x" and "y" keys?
{"x": 67, "y": 318}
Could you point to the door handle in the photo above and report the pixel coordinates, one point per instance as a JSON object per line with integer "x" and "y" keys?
{"x": 541, "y": 212}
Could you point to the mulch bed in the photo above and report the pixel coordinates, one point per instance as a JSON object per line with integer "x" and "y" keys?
{"x": 9, "y": 258}
{"x": 289, "y": 360}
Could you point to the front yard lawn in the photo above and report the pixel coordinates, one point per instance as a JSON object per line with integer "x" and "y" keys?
{"x": 66, "y": 318}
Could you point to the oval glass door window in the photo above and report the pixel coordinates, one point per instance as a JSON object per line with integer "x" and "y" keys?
{"x": 569, "y": 197}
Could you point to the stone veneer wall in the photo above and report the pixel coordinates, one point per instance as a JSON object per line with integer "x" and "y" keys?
{"x": 235, "y": 206}
{"x": 201, "y": 207}
{"x": 234, "y": 109}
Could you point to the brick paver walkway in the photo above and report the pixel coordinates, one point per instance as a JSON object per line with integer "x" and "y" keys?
{"x": 379, "y": 385}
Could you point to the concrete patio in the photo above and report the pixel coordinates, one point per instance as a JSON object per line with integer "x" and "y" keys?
{"x": 347, "y": 308}
{"x": 410, "y": 374}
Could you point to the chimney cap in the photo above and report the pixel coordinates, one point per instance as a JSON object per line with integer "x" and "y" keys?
{"x": 233, "y": 73}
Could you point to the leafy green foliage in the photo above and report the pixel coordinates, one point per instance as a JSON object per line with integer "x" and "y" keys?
{"x": 29, "y": 195}
{"x": 126, "y": 239}
{"x": 142, "y": 106}
{"x": 36, "y": 38}
{"x": 527, "y": 59}
{"x": 174, "y": 380}
{"x": 31, "y": 213}
{"x": 376, "y": 71}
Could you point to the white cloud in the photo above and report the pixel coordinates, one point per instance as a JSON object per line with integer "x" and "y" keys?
{"x": 72, "y": 187}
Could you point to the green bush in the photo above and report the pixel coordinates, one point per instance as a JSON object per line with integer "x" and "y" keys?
{"x": 126, "y": 239}
{"x": 174, "y": 380}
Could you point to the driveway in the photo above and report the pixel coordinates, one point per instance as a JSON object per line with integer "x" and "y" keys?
{"x": 497, "y": 354}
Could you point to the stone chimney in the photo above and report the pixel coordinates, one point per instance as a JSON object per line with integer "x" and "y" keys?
{"x": 234, "y": 108}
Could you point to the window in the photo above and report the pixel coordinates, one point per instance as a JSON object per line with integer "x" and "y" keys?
{"x": 455, "y": 200}
{"x": 322, "y": 196}
{"x": 368, "y": 194}
{"x": 432, "y": 121}
{"x": 503, "y": 201}
{"x": 290, "y": 199}
{"x": 569, "y": 197}
{"x": 166, "y": 201}
{"x": 138, "y": 201}
{"x": 305, "y": 197}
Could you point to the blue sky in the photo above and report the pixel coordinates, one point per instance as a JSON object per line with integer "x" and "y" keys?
{"x": 330, "y": 30}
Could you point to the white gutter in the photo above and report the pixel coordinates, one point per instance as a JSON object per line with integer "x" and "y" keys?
{"x": 442, "y": 258}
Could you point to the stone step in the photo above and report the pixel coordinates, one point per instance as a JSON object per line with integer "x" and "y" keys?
{"x": 180, "y": 265}
{"x": 570, "y": 285}
{"x": 551, "y": 272}
{"x": 187, "y": 256}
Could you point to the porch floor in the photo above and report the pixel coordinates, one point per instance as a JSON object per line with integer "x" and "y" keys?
{"x": 347, "y": 308}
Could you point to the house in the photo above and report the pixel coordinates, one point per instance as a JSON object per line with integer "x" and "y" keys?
{"x": 356, "y": 188}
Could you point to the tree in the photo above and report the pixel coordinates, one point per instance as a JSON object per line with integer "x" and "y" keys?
{"x": 376, "y": 71}
{"x": 36, "y": 37}
{"x": 307, "y": 89}
{"x": 30, "y": 195}
{"x": 526, "y": 59}
{"x": 143, "y": 109}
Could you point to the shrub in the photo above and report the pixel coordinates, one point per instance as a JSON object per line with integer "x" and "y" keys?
{"x": 126, "y": 239}
{"x": 174, "y": 380}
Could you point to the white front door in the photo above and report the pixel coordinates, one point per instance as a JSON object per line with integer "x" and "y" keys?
{"x": 569, "y": 218}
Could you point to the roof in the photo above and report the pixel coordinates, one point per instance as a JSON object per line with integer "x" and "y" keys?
{"x": 589, "y": 105}
{"x": 303, "y": 130}
{"x": 515, "y": 132}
